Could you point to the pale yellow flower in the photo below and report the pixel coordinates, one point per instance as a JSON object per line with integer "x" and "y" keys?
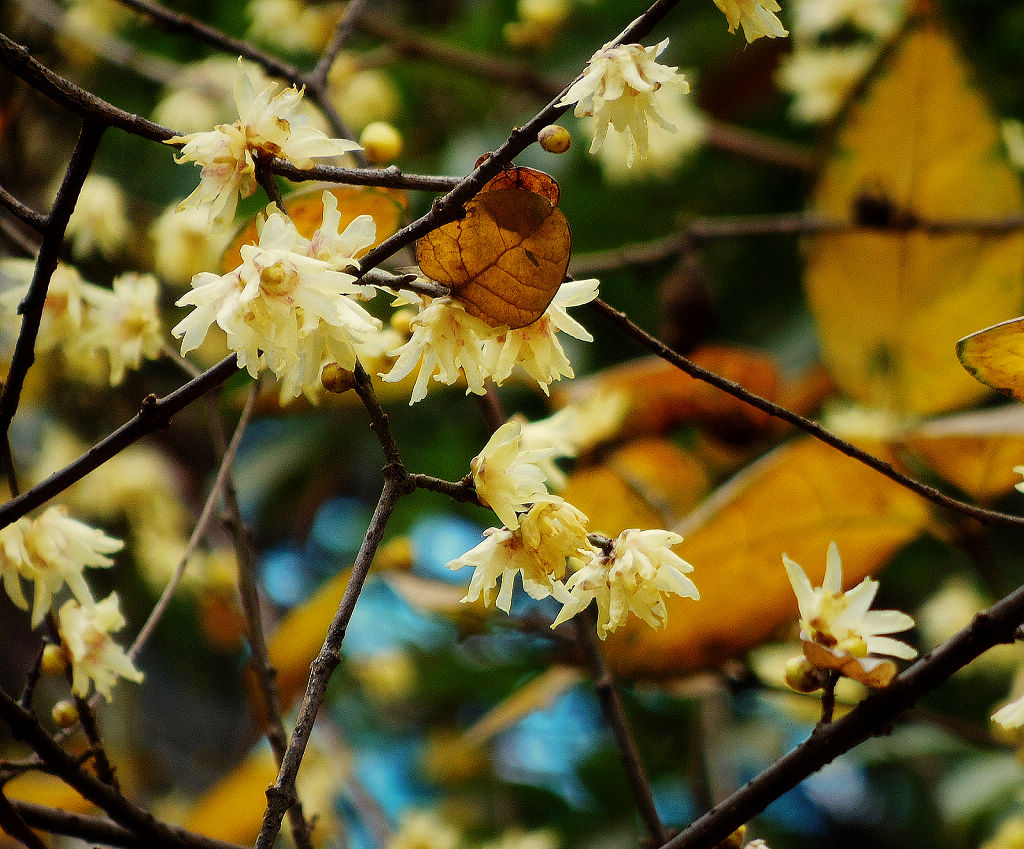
{"x": 536, "y": 347}
{"x": 361, "y": 96}
{"x": 621, "y": 88}
{"x": 184, "y": 245}
{"x": 292, "y": 24}
{"x": 269, "y": 126}
{"x": 821, "y": 78}
{"x": 1010, "y": 715}
{"x": 446, "y": 342}
{"x": 424, "y": 830}
{"x": 755, "y": 16}
{"x": 539, "y": 22}
{"x": 85, "y": 630}
{"x": 507, "y": 476}
{"x": 281, "y": 309}
{"x": 51, "y": 551}
{"x": 99, "y": 223}
{"x": 125, "y": 322}
{"x": 631, "y": 577}
{"x": 840, "y": 632}
{"x": 63, "y": 319}
{"x": 549, "y": 535}
{"x": 814, "y": 18}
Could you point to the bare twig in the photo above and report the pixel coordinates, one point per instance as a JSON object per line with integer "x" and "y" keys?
{"x": 615, "y": 716}
{"x": 13, "y": 824}
{"x": 622, "y": 321}
{"x": 24, "y": 213}
{"x": 996, "y": 625}
{"x": 317, "y": 78}
{"x": 31, "y": 308}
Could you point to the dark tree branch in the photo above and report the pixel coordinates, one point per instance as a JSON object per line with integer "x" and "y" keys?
{"x": 14, "y": 824}
{"x": 154, "y": 413}
{"x": 317, "y": 78}
{"x": 991, "y": 627}
{"x": 622, "y": 321}
{"x": 24, "y": 213}
{"x": 31, "y": 308}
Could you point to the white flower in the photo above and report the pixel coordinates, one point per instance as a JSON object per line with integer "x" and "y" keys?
{"x": 631, "y": 577}
{"x": 549, "y": 534}
{"x": 85, "y": 630}
{"x": 820, "y": 79}
{"x": 341, "y": 248}
{"x": 266, "y": 128}
{"x": 814, "y": 18}
{"x": 536, "y": 347}
{"x": 51, "y": 551}
{"x": 621, "y": 88}
{"x": 838, "y": 629}
{"x": 507, "y": 476}
{"x": 281, "y": 309}
{"x": 99, "y": 223}
{"x": 125, "y": 322}
{"x": 755, "y": 16}
{"x": 64, "y": 309}
{"x": 446, "y": 341}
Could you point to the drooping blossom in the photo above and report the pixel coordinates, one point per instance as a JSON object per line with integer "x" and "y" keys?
{"x": 124, "y": 321}
{"x": 85, "y": 630}
{"x": 757, "y": 17}
{"x": 621, "y": 88}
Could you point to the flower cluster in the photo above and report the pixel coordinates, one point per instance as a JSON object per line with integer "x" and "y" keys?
{"x": 267, "y": 127}
{"x": 446, "y": 342}
{"x": 52, "y": 551}
{"x": 622, "y": 87}
{"x": 840, "y": 632}
{"x": 289, "y": 307}
{"x": 546, "y": 537}
{"x": 83, "y": 321}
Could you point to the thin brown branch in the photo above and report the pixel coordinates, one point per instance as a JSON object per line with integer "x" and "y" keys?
{"x": 154, "y": 413}
{"x": 266, "y": 675}
{"x": 615, "y": 715}
{"x": 391, "y": 177}
{"x": 873, "y": 716}
{"x": 31, "y": 308}
{"x": 95, "y": 829}
{"x": 761, "y": 148}
{"x": 13, "y": 824}
{"x": 281, "y": 795}
{"x": 317, "y": 78}
{"x": 463, "y": 491}
{"x": 24, "y": 213}
{"x": 656, "y": 346}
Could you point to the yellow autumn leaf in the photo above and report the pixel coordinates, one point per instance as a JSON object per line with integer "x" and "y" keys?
{"x": 995, "y": 356}
{"x": 796, "y": 499}
{"x": 975, "y": 451}
{"x": 921, "y": 143}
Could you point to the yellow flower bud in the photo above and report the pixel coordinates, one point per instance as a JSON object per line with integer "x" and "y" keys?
{"x": 336, "y": 379}
{"x": 381, "y": 142}
{"x": 802, "y": 675}
{"x": 554, "y": 139}
{"x": 55, "y": 660}
{"x": 65, "y": 713}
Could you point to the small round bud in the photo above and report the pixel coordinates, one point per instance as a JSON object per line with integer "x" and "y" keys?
{"x": 554, "y": 139}
{"x": 734, "y": 840}
{"x": 336, "y": 379}
{"x": 381, "y": 142}
{"x": 65, "y": 713}
{"x": 55, "y": 660}
{"x": 401, "y": 320}
{"x": 802, "y": 675}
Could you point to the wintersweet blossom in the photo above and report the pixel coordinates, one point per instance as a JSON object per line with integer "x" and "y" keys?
{"x": 755, "y": 16}
{"x": 621, "y": 88}
{"x": 183, "y": 245}
{"x": 267, "y": 127}
{"x": 445, "y": 341}
{"x": 63, "y": 312}
{"x": 548, "y": 536}
{"x": 125, "y": 322}
{"x": 840, "y": 632}
{"x": 51, "y": 550}
{"x": 282, "y": 308}
{"x": 814, "y": 18}
{"x": 85, "y": 630}
{"x": 1010, "y": 715}
{"x": 820, "y": 79}
{"x": 630, "y": 576}
{"x": 536, "y": 347}
{"x": 507, "y": 476}
{"x": 99, "y": 223}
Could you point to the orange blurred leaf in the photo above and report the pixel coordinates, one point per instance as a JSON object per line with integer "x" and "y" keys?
{"x": 505, "y": 260}
{"x": 232, "y": 809}
{"x": 387, "y": 207}
{"x": 661, "y": 395}
{"x": 796, "y": 500}
{"x": 920, "y": 144}
{"x": 529, "y": 179}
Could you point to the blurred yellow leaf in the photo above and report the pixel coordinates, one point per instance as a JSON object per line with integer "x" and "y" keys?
{"x": 505, "y": 260}
{"x": 890, "y": 305}
{"x": 387, "y": 207}
{"x": 535, "y": 695}
{"x": 976, "y": 451}
{"x": 232, "y": 809}
{"x": 995, "y": 356}
{"x": 796, "y": 500}
{"x": 45, "y": 789}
